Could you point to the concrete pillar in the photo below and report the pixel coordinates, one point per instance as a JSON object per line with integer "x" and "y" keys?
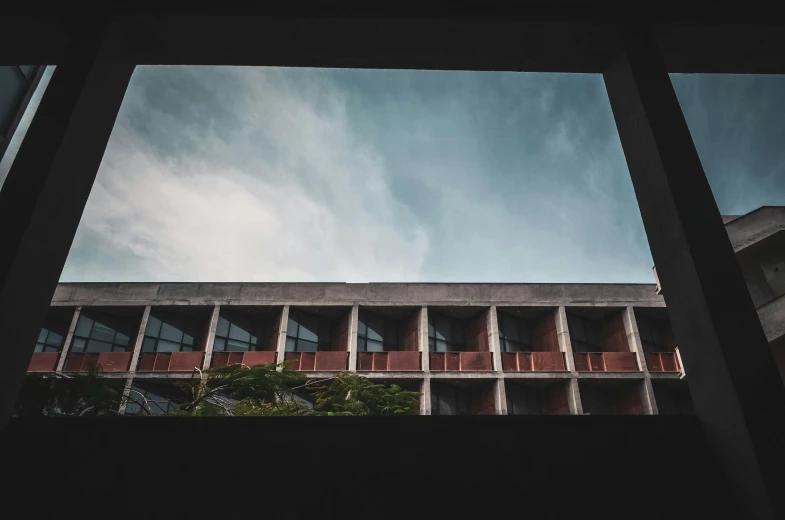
{"x": 500, "y": 393}
{"x": 423, "y": 344}
{"x": 208, "y": 345}
{"x": 425, "y": 399}
{"x": 281, "y": 349}
{"x": 139, "y": 340}
{"x": 500, "y": 396}
{"x": 563, "y": 332}
{"x": 353, "y": 325}
{"x": 636, "y": 346}
{"x": 44, "y": 195}
{"x": 68, "y": 338}
{"x": 736, "y": 389}
{"x": 126, "y": 395}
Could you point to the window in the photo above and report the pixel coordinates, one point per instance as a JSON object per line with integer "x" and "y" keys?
{"x": 597, "y": 401}
{"x": 583, "y": 334}
{"x": 514, "y": 334}
{"x": 231, "y": 336}
{"x": 445, "y": 334}
{"x": 449, "y": 400}
{"x": 376, "y": 334}
{"x": 162, "y": 336}
{"x": 92, "y": 335}
{"x": 48, "y": 341}
{"x": 523, "y": 401}
{"x": 308, "y": 333}
{"x": 653, "y": 335}
{"x": 146, "y": 402}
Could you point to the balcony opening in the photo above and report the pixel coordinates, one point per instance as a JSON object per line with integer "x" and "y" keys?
{"x": 599, "y": 340}
{"x": 528, "y": 339}
{"x": 657, "y": 340}
{"x": 611, "y": 397}
{"x": 51, "y": 339}
{"x": 153, "y": 397}
{"x": 246, "y": 335}
{"x": 317, "y": 338}
{"x": 537, "y": 397}
{"x": 458, "y": 339}
{"x": 103, "y": 339}
{"x": 462, "y": 397}
{"x": 175, "y": 339}
{"x": 672, "y": 397}
{"x": 388, "y": 338}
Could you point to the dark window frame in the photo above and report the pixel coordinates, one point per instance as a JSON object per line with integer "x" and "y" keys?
{"x": 322, "y": 324}
{"x": 156, "y": 339}
{"x": 254, "y": 344}
{"x": 460, "y": 397}
{"x": 362, "y": 338}
{"x": 521, "y": 325}
{"x": 44, "y": 346}
{"x": 582, "y": 345}
{"x": 652, "y": 334}
{"x": 450, "y": 344}
{"x": 114, "y": 345}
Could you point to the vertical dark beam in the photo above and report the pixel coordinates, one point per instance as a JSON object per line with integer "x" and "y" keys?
{"x": 44, "y": 195}
{"x": 737, "y": 392}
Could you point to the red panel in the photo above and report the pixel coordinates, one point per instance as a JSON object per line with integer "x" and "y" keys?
{"x": 43, "y": 362}
{"x": 380, "y": 361}
{"x": 525, "y": 361}
{"x": 452, "y": 360}
{"x": 307, "y": 360}
{"x": 544, "y": 337}
{"x": 220, "y": 359}
{"x": 162, "y": 362}
{"x": 510, "y": 361}
{"x": 581, "y": 361}
{"x": 341, "y": 334}
{"x": 437, "y": 360}
{"x": 653, "y": 362}
{"x": 474, "y": 360}
{"x": 669, "y": 362}
{"x": 555, "y": 401}
{"x": 596, "y": 363}
{"x": 548, "y": 361}
{"x": 74, "y": 362}
{"x": 331, "y": 360}
{"x": 410, "y": 331}
{"x": 113, "y": 361}
{"x": 295, "y": 358}
{"x": 404, "y": 361}
{"x": 257, "y": 358}
{"x": 613, "y": 336}
{"x": 236, "y": 358}
{"x": 82, "y": 362}
{"x": 620, "y": 362}
{"x": 185, "y": 361}
{"x": 146, "y": 362}
{"x": 478, "y": 333}
{"x": 365, "y": 361}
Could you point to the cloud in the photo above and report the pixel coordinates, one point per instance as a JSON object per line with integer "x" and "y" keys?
{"x": 269, "y": 184}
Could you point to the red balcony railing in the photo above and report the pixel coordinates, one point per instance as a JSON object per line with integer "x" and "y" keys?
{"x": 388, "y": 361}
{"x": 310, "y": 361}
{"x": 662, "y": 362}
{"x": 460, "y": 361}
{"x": 245, "y": 358}
{"x": 170, "y": 361}
{"x": 533, "y": 361}
{"x": 605, "y": 362}
{"x": 101, "y": 361}
{"x": 43, "y": 362}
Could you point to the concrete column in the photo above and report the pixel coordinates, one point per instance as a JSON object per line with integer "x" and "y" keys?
{"x": 44, "y": 195}
{"x": 574, "y": 397}
{"x": 68, "y": 338}
{"x": 636, "y": 346}
{"x": 208, "y": 346}
{"x": 126, "y": 394}
{"x": 425, "y": 400}
{"x": 563, "y": 332}
{"x": 500, "y": 393}
{"x": 500, "y": 396}
{"x": 353, "y": 320}
{"x": 139, "y": 340}
{"x": 282, "y": 336}
{"x": 736, "y": 389}
{"x": 423, "y": 344}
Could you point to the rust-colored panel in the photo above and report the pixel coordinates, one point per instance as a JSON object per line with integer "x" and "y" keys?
{"x": 475, "y": 360}
{"x": 437, "y": 361}
{"x": 380, "y": 361}
{"x": 555, "y": 401}
{"x": 185, "y": 361}
{"x": 478, "y": 333}
{"x": 236, "y": 358}
{"x": 307, "y": 361}
{"x": 331, "y": 360}
{"x": 510, "y": 361}
{"x": 548, "y": 361}
{"x": 483, "y": 402}
{"x": 220, "y": 359}
{"x": 581, "y": 361}
{"x": 452, "y": 360}
{"x": 365, "y": 361}
{"x": 404, "y": 361}
{"x": 113, "y": 361}
{"x": 275, "y": 332}
{"x": 74, "y": 362}
{"x": 341, "y": 334}
{"x": 620, "y": 362}
{"x": 410, "y": 332}
{"x": 544, "y": 335}
{"x": 162, "y": 360}
{"x": 258, "y": 358}
{"x": 146, "y": 362}
{"x": 295, "y": 357}
{"x": 653, "y": 362}
{"x": 43, "y": 362}
{"x": 669, "y": 362}
{"x": 525, "y": 361}
{"x": 84, "y": 362}
{"x": 613, "y": 337}
{"x": 596, "y": 362}
{"x": 629, "y": 401}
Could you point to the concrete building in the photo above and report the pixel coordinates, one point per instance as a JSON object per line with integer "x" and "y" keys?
{"x": 479, "y": 349}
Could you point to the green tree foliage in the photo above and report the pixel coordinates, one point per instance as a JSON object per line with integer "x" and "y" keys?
{"x": 85, "y": 395}
{"x": 350, "y": 394}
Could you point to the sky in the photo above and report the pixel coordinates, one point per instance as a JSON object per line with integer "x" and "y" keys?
{"x": 334, "y": 175}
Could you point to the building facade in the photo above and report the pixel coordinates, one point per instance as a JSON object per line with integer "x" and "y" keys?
{"x": 479, "y": 349}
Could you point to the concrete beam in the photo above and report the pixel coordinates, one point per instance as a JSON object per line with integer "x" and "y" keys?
{"x": 737, "y": 392}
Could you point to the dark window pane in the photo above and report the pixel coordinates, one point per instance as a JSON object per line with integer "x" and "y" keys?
{"x": 122, "y": 339}
{"x": 361, "y": 326}
{"x": 77, "y": 345}
{"x": 306, "y": 346}
{"x": 441, "y": 346}
{"x": 39, "y": 347}
{"x": 291, "y": 328}
{"x": 441, "y": 328}
{"x": 148, "y": 345}
{"x": 186, "y": 348}
{"x": 219, "y": 345}
{"x": 188, "y": 340}
{"x": 375, "y": 328}
{"x": 361, "y": 344}
{"x": 375, "y": 346}
{"x": 153, "y": 327}
{"x": 308, "y": 328}
{"x": 390, "y": 334}
{"x": 101, "y": 332}
{"x": 83, "y": 326}
{"x": 171, "y": 333}
{"x": 290, "y": 344}
{"x": 430, "y": 327}
{"x": 233, "y": 345}
{"x": 42, "y": 335}
{"x": 458, "y": 331}
{"x": 431, "y": 345}
{"x": 54, "y": 339}
{"x": 168, "y": 346}
{"x": 98, "y": 346}
{"x": 239, "y": 333}
{"x": 223, "y": 328}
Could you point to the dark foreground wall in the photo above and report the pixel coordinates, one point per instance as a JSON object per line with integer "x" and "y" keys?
{"x": 402, "y": 467}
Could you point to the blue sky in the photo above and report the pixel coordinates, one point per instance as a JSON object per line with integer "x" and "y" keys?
{"x": 273, "y": 174}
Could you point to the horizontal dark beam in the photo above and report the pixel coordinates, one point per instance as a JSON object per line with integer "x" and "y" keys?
{"x": 542, "y": 43}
